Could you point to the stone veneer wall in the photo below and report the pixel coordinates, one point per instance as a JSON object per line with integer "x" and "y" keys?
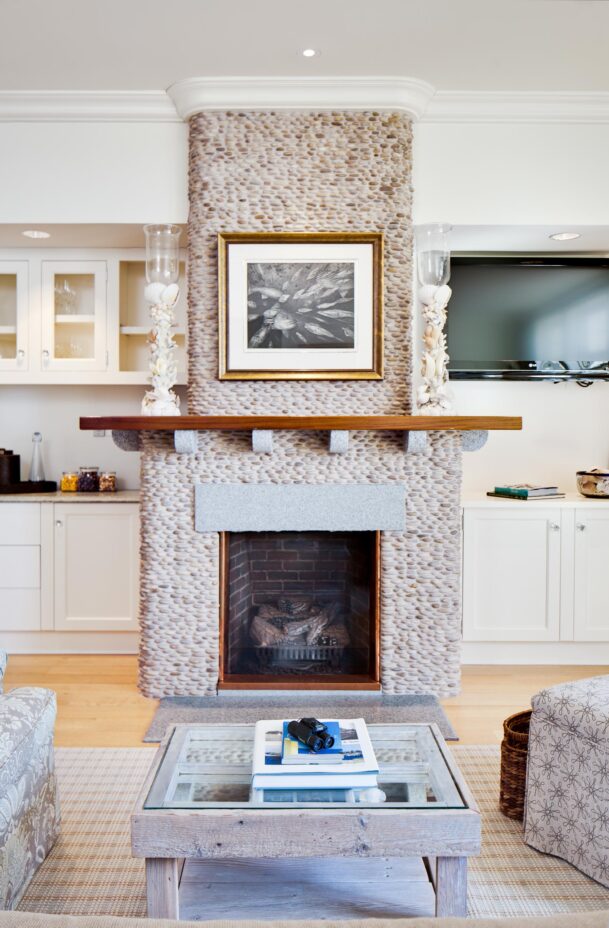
{"x": 294, "y": 171}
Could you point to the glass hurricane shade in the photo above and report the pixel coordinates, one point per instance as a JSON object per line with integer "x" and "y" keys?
{"x": 433, "y": 254}
{"x": 162, "y": 254}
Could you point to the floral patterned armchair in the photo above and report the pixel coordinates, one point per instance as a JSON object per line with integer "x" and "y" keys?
{"x": 29, "y": 807}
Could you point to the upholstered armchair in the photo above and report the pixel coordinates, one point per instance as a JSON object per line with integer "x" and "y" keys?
{"x": 29, "y": 807}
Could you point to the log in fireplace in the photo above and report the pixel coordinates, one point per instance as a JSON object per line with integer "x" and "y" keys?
{"x": 300, "y": 610}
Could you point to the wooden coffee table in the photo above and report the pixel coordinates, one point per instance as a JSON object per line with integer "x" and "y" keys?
{"x": 196, "y": 805}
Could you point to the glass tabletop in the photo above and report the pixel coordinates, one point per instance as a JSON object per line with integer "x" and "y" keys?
{"x": 210, "y": 767}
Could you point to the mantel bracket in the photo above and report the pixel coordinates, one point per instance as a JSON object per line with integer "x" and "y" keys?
{"x": 474, "y": 440}
{"x": 127, "y": 441}
{"x": 339, "y": 441}
{"x": 186, "y": 441}
{"x": 262, "y": 441}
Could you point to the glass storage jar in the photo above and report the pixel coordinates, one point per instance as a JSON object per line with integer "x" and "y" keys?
{"x": 107, "y": 481}
{"x": 88, "y": 480}
{"x": 69, "y": 481}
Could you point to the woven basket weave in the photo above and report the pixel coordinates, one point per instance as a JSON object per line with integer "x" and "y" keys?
{"x": 514, "y": 752}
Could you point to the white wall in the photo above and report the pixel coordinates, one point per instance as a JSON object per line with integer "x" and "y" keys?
{"x": 93, "y": 172}
{"x": 511, "y": 174}
{"x": 521, "y": 175}
{"x": 55, "y": 412}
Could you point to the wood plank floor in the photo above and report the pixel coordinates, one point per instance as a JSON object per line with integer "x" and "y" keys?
{"x": 99, "y": 704}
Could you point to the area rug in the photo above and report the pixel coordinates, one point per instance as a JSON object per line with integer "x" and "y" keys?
{"x": 226, "y": 707}
{"x": 91, "y": 870}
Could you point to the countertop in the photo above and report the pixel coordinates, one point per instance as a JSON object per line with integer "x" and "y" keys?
{"x": 569, "y": 501}
{"x": 121, "y": 496}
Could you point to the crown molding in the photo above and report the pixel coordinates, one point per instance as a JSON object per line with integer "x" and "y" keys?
{"x": 517, "y": 107}
{"x": 86, "y": 106}
{"x": 404, "y": 94}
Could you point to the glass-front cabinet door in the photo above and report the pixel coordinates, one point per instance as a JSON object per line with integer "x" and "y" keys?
{"x": 74, "y": 315}
{"x": 14, "y": 347}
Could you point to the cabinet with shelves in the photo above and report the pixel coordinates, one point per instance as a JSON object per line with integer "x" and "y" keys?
{"x": 536, "y": 573}
{"x": 78, "y": 316}
{"x": 14, "y": 318}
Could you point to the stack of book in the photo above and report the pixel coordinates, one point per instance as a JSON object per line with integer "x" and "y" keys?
{"x": 281, "y": 762}
{"x": 526, "y": 491}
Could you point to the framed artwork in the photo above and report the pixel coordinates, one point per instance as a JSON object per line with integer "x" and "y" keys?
{"x": 301, "y": 306}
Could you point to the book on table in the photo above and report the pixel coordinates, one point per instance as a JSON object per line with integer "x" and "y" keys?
{"x": 357, "y": 769}
{"x": 526, "y": 490}
{"x": 525, "y": 499}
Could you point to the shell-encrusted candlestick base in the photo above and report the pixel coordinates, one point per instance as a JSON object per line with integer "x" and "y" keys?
{"x": 161, "y": 400}
{"x": 434, "y": 397}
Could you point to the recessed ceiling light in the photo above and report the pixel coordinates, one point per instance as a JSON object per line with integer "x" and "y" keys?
{"x": 309, "y": 52}
{"x": 565, "y": 236}
{"x": 36, "y": 233}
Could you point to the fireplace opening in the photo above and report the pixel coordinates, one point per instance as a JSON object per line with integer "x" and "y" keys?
{"x": 300, "y": 610}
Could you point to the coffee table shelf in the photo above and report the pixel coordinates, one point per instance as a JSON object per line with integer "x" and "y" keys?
{"x": 196, "y": 805}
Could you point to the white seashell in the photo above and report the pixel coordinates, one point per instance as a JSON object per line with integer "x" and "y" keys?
{"x": 443, "y": 295}
{"x": 427, "y": 294}
{"x": 154, "y": 292}
{"x": 170, "y": 295}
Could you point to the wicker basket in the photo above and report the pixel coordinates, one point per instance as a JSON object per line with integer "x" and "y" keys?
{"x": 514, "y": 752}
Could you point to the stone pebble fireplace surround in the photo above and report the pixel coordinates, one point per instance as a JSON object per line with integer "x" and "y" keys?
{"x": 300, "y": 171}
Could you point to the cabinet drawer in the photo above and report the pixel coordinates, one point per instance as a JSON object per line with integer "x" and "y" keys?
{"x": 19, "y": 567}
{"x": 19, "y": 523}
{"x": 19, "y": 610}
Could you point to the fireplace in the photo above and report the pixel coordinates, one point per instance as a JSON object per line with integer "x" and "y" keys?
{"x": 300, "y": 609}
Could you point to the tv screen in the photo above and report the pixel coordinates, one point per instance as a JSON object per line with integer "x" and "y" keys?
{"x": 529, "y": 318}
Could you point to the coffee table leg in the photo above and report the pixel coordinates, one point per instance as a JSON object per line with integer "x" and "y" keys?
{"x": 162, "y": 886}
{"x": 451, "y": 886}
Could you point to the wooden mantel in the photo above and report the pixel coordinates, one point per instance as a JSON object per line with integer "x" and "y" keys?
{"x": 313, "y": 423}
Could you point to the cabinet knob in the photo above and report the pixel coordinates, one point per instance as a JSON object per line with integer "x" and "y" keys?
{"x": 20, "y": 354}
{"x": 58, "y": 523}
{"x": 554, "y": 526}
{"x": 580, "y": 527}
{"x": 45, "y": 356}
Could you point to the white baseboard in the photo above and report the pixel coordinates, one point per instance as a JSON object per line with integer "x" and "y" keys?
{"x": 70, "y": 642}
{"x": 535, "y": 652}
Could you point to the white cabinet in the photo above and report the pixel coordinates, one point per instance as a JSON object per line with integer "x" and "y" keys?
{"x": 96, "y": 566}
{"x": 79, "y": 316}
{"x": 535, "y": 572}
{"x": 74, "y": 316}
{"x": 69, "y": 566}
{"x": 591, "y": 584}
{"x": 511, "y": 575}
{"x": 14, "y": 318}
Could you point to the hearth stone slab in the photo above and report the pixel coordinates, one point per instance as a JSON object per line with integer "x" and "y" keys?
{"x": 241, "y": 706}
{"x": 268, "y": 507}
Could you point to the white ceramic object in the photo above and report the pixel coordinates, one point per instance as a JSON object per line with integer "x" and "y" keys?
{"x": 162, "y": 400}
{"x": 434, "y": 395}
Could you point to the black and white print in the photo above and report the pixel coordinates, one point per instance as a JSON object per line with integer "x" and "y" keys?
{"x": 300, "y": 305}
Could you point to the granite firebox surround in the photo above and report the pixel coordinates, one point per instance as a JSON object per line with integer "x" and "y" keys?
{"x": 300, "y": 171}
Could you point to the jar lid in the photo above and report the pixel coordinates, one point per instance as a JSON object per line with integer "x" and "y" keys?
{"x": 109, "y": 473}
{"x": 88, "y": 468}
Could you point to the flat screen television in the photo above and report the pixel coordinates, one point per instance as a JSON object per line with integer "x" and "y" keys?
{"x": 529, "y": 318}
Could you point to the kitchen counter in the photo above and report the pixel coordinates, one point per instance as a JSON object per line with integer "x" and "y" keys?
{"x": 121, "y": 496}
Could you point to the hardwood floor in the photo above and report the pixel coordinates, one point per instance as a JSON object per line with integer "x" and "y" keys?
{"x": 99, "y": 705}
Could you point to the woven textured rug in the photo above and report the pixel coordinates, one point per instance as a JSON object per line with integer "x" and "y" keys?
{"x": 91, "y": 871}
{"x": 235, "y": 707}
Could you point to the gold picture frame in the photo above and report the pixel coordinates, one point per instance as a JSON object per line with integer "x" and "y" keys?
{"x": 253, "y": 348}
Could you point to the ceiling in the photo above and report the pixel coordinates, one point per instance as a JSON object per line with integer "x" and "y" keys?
{"x": 493, "y": 45}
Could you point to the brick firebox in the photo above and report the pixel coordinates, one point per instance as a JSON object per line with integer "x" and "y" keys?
{"x": 300, "y": 607}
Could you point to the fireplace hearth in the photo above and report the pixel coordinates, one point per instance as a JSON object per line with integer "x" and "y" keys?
{"x": 300, "y": 609}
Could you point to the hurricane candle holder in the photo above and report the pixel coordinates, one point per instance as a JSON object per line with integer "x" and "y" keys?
{"x": 434, "y": 395}
{"x": 162, "y": 293}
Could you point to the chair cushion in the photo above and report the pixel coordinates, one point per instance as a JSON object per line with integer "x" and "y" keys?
{"x": 580, "y": 708}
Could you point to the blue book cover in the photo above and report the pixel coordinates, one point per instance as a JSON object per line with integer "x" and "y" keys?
{"x": 293, "y": 752}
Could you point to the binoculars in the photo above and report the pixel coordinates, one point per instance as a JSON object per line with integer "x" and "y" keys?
{"x": 312, "y": 733}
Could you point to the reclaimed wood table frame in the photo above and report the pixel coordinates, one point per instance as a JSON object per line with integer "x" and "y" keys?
{"x": 444, "y": 837}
